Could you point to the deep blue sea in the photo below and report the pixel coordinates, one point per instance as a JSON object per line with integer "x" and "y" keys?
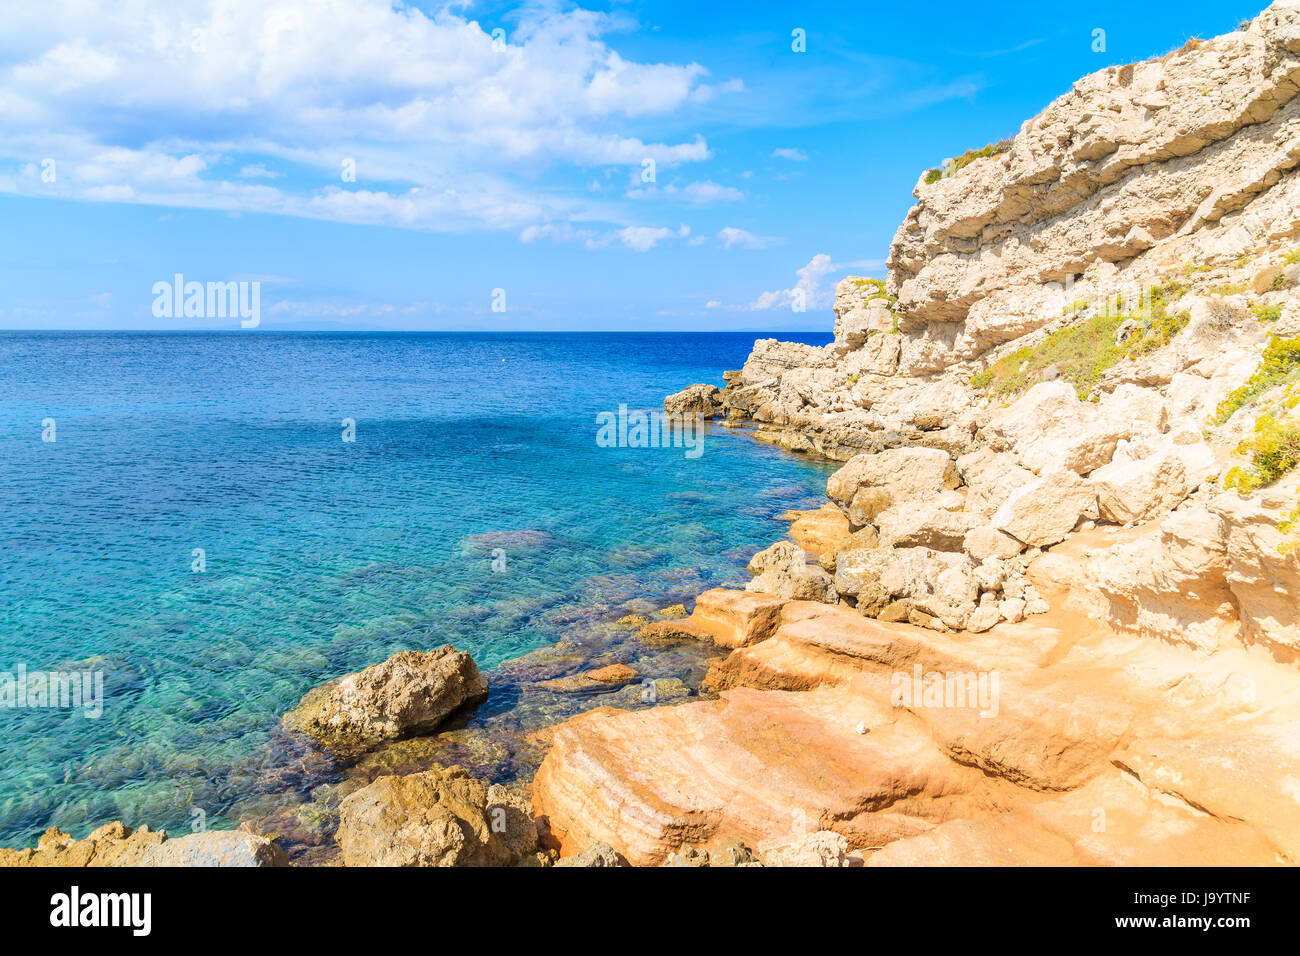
{"x": 322, "y": 556}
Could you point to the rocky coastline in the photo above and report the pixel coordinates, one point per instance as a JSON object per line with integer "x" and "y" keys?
{"x": 1047, "y": 614}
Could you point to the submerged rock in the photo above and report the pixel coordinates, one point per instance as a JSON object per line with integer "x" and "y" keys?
{"x": 410, "y": 693}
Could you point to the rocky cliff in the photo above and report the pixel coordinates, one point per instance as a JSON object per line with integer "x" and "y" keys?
{"x": 1069, "y": 428}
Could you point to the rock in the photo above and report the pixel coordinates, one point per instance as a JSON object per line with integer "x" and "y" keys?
{"x": 823, "y": 848}
{"x": 733, "y": 853}
{"x": 217, "y": 848}
{"x": 598, "y": 854}
{"x": 939, "y": 584}
{"x": 1140, "y": 490}
{"x": 613, "y": 674}
{"x": 990, "y": 478}
{"x": 987, "y": 542}
{"x": 822, "y": 532}
{"x": 688, "y": 856}
{"x": 117, "y": 845}
{"x": 598, "y": 681}
{"x": 1012, "y": 610}
{"x": 725, "y": 616}
{"x": 783, "y": 571}
{"x": 698, "y": 400}
{"x": 1049, "y": 428}
{"x": 410, "y": 693}
{"x": 440, "y": 817}
{"x": 984, "y": 617}
{"x": 938, "y": 523}
{"x": 632, "y": 622}
{"x": 1046, "y": 510}
{"x": 904, "y": 473}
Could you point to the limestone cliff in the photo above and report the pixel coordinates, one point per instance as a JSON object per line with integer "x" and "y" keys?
{"x": 1069, "y": 432}
{"x": 1080, "y": 323}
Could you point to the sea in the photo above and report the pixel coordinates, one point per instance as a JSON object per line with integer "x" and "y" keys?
{"x": 210, "y": 524}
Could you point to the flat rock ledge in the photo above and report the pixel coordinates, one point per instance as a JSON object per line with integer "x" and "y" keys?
{"x": 409, "y": 694}
{"x": 839, "y": 740}
{"x": 116, "y": 844}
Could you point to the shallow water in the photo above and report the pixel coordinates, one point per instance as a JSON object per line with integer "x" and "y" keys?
{"x": 474, "y": 507}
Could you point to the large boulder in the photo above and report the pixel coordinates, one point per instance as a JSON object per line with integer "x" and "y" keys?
{"x": 1141, "y": 489}
{"x": 894, "y": 476}
{"x": 990, "y": 478}
{"x": 939, "y": 523}
{"x": 441, "y": 817}
{"x": 1050, "y": 428}
{"x": 783, "y": 570}
{"x": 411, "y": 693}
{"x": 701, "y": 400}
{"x": 1044, "y": 511}
{"x": 940, "y": 584}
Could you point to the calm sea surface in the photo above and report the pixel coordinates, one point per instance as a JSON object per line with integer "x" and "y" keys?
{"x": 321, "y": 556}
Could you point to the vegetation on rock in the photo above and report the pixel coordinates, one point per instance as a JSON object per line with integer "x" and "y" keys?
{"x": 1279, "y": 366}
{"x": 965, "y": 159}
{"x": 1083, "y": 351}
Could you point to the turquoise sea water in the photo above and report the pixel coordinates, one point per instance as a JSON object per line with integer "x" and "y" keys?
{"x": 324, "y": 556}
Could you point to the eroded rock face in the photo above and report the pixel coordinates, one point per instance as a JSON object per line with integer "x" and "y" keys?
{"x": 435, "y": 818}
{"x": 1055, "y": 203}
{"x": 1032, "y": 492}
{"x": 831, "y": 727}
{"x": 410, "y": 693}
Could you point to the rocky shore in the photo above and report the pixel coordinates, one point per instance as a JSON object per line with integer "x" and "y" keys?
{"x": 1047, "y": 614}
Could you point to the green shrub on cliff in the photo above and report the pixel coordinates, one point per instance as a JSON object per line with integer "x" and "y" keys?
{"x": 1273, "y": 451}
{"x": 1279, "y": 365}
{"x": 877, "y": 287}
{"x": 1082, "y": 352}
{"x": 959, "y": 163}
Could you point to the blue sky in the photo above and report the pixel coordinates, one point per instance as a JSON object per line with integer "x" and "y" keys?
{"x": 214, "y": 140}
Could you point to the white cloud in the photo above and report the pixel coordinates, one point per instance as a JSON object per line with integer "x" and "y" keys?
{"x": 809, "y": 290}
{"x": 194, "y": 103}
{"x": 645, "y": 238}
{"x": 731, "y": 237}
{"x": 697, "y": 193}
{"x": 791, "y": 154}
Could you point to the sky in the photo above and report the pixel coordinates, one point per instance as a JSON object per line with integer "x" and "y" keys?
{"x": 482, "y": 166}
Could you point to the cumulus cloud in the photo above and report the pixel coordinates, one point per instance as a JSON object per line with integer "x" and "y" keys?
{"x": 791, "y": 154}
{"x": 811, "y": 291}
{"x": 195, "y": 103}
